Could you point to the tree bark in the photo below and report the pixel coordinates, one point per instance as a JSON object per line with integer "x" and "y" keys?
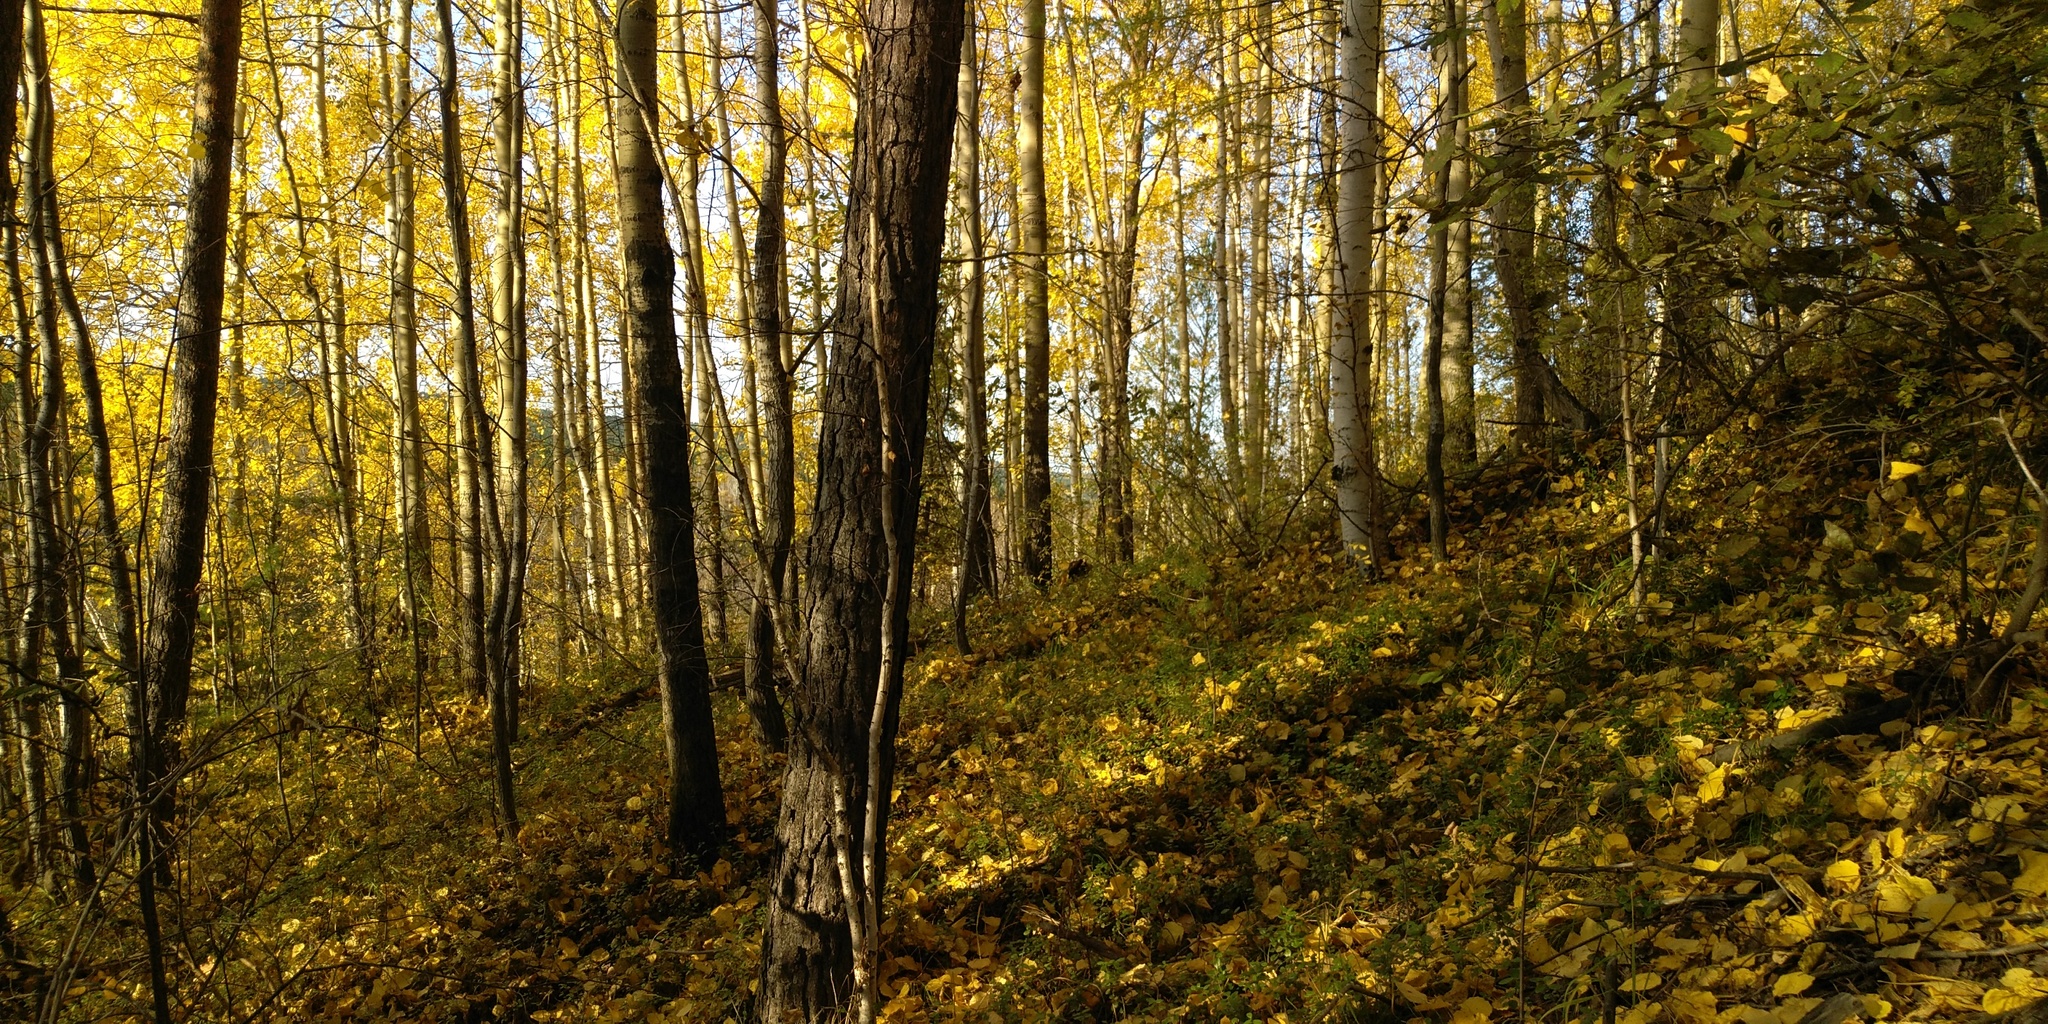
{"x": 1037, "y": 454}
{"x": 408, "y": 469}
{"x": 977, "y": 544}
{"x": 1118, "y": 301}
{"x": 1356, "y": 466}
{"x": 1540, "y": 394}
{"x": 473, "y": 456}
{"x": 697, "y": 292}
{"x": 771, "y": 610}
{"x": 605, "y": 588}
{"x": 696, "y": 805}
{"x": 887, "y": 312}
{"x": 1699, "y": 43}
{"x": 50, "y": 557}
{"x": 506, "y": 615}
{"x": 194, "y": 387}
{"x": 1438, "y": 360}
{"x": 1259, "y": 226}
{"x": 40, "y": 402}
{"x": 1514, "y": 212}
{"x": 337, "y": 370}
{"x": 1227, "y": 354}
{"x": 1461, "y": 441}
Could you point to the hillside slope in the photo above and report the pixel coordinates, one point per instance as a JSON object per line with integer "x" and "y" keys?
{"x": 1278, "y": 792}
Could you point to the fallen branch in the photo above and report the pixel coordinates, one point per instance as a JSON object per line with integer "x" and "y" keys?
{"x": 1848, "y": 723}
{"x": 1917, "y": 680}
{"x": 1093, "y": 943}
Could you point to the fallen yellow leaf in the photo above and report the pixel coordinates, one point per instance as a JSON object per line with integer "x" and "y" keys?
{"x": 2033, "y": 879}
{"x": 1844, "y": 876}
{"x": 1792, "y": 984}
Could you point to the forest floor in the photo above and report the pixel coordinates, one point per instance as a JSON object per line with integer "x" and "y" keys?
{"x": 1268, "y": 791}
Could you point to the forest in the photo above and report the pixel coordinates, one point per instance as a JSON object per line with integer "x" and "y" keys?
{"x": 1364, "y": 511}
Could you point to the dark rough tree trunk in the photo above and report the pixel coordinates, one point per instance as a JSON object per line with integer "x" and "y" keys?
{"x": 778, "y": 420}
{"x": 165, "y": 681}
{"x": 882, "y": 328}
{"x": 696, "y": 805}
{"x": 195, "y": 387}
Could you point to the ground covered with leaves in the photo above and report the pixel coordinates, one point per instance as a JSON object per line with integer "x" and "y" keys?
{"x": 1513, "y": 785}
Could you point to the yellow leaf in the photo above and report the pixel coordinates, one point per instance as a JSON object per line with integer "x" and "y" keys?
{"x": 1935, "y": 908}
{"x": 570, "y": 950}
{"x": 1198, "y": 661}
{"x": 1475, "y": 1010}
{"x": 1844, "y": 876}
{"x": 1658, "y": 806}
{"x": 1888, "y": 249}
{"x": 1736, "y": 547}
{"x": 1792, "y": 984}
{"x": 1793, "y": 1009}
{"x": 2005, "y": 1000}
{"x": 2019, "y": 979}
{"x": 1643, "y": 1013}
{"x": 1902, "y": 470}
{"x": 1774, "y": 87}
{"x": 1898, "y": 894}
{"x": 2033, "y": 879}
{"x": 1643, "y": 982}
{"x": 1714, "y": 786}
{"x": 1667, "y": 165}
{"x": 1693, "y": 1006}
{"x": 1871, "y": 804}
